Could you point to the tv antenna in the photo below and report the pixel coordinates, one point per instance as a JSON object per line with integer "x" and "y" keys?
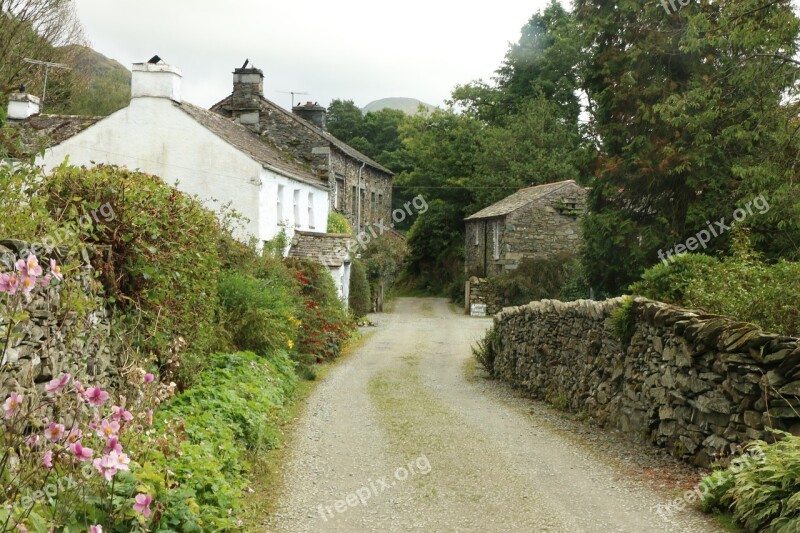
{"x": 47, "y": 66}
{"x": 293, "y": 93}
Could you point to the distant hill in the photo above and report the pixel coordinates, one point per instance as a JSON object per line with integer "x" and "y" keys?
{"x": 410, "y": 106}
{"x": 108, "y": 81}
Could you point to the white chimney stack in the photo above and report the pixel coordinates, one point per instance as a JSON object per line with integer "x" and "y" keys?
{"x": 156, "y": 80}
{"x": 22, "y": 106}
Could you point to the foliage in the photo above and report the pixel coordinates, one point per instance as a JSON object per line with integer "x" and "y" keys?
{"x": 325, "y": 324}
{"x": 108, "y": 86}
{"x": 360, "y": 299}
{"x": 383, "y": 258}
{"x": 623, "y": 321}
{"x": 742, "y": 286}
{"x": 259, "y": 313}
{"x": 164, "y": 261}
{"x": 337, "y": 223}
{"x": 533, "y": 279}
{"x": 691, "y": 114}
{"x": 763, "y": 494}
{"x": 486, "y": 350}
{"x": 235, "y": 406}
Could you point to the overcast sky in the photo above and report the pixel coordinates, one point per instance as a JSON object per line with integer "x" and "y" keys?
{"x": 355, "y": 49}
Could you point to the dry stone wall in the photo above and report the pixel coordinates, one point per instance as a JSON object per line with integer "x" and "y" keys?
{"x": 57, "y": 337}
{"x": 699, "y": 385}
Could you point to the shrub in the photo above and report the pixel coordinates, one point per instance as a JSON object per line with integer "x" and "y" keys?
{"x": 337, "y": 223}
{"x": 623, "y": 322}
{"x": 671, "y": 282}
{"x": 533, "y": 279}
{"x": 360, "y": 299}
{"x": 164, "y": 262}
{"x": 383, "y": 258}
{"x": 486, "y": 350}
{"x": 259, "y": 313}
{"x": 763, "y": 494}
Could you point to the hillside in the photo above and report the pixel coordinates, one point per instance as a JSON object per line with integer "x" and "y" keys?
{"x": 410, "y": 106}
{"x": 108, "y": 83}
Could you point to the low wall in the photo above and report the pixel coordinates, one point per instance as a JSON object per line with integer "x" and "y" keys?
{"x": 63, "y": 333}
{"x": 696, "y": 384}
{"x": 479, "y": 295}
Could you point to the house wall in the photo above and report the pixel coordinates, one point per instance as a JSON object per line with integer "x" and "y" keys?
{"x": 372, "y": 182}
{"x": 277, "y": 207}
{"x": 538, "y": 230}
{"x": 155, "y": 136}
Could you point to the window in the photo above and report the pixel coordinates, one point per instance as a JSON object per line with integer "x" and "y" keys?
{"x": 338, "y": 193}
{"x": 297, "y": 208}
{"x": 279, "y": 206}
{"x": 477, "y": 234}
{"x": 311, "y": 210}
{"x": 496, "y": 239}
{"x": 380, "y": 201}
{"x": 372, "y": 204}
{"x": 362, "y": 205}
{"x": 353, "y": 201}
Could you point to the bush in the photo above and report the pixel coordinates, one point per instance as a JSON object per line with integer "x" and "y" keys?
{"x": 740, "y": 286}
{"x": 360, "y": 300}
{"x": 762, "y": 493}
{"x": 486, "y": 350}
{"x": 623, "y": 322}
{"x": 164, "y": 261}
{"x": 259, "y": 314}
{"x": 337, "y": 223}
{"x": 533, "y": 279}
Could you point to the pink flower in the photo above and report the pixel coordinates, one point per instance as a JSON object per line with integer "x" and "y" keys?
{"x": 9, "y": 283}
{"x": 84, "y": 454}
{"x": 150, "y": 417}
{"x": 47, "y": 459}
{"x": 55, "y": 270}
{"x": 109, "y": 464}
{"x": 123, "y": 461}
{"x": 30, "y": 267}
{"x": 113, "y": 445}
{"x": 32, "y": 441}
{"x": 57, "y": 384}
{"x": 96, "y": 529}
{"x": 119, "y": 413}
{"x": 74, "y": 435}
{"x": 28, "y": 284}
{"x": 148, "y": 378}
{"x": 45, "y": 281}
{"x": 142, "y": 504}
{"x": 96, "y": 396}
{"x": 108, "y": 429}
{"x": 12, "y": 404}
{"x": 54, "y": 432}
{"x": 79, "y": 388}
{"x": 21, "y": 528}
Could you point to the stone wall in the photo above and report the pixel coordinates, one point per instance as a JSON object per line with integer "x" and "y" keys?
{"x": 479, "y": 292}
{"x": 57, "y": 338}
{"x": 696, "y": 384}
{"x": 373, "y": 181}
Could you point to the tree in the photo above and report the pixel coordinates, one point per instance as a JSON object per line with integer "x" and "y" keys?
{"x": 345, "y": 120}
{"x": 687, "y": 114}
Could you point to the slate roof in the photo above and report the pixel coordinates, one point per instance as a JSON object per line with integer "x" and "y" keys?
{"x": 249, "y": 142}
{"x": 331, "y": 249}
{"x": 43, "y": 131}
{"x": 341, "y": 145}
{"x": 519, "y": 199}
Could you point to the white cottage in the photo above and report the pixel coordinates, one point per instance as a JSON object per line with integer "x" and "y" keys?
{"x": 202, "y": 153}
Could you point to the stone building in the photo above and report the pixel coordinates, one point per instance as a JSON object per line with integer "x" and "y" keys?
{"x": 533, "y": 223}
{"x": 360, "y": 188}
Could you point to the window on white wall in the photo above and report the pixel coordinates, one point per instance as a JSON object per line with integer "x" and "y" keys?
{"x": 311, "y": 210}
{"x": 496, "y": 239}
{"x": 297, "y": 208}
{"x": 279, "y": 206}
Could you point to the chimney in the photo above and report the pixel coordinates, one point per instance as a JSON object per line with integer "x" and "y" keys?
{"x": 313, "y": 113}
{"x": 248, "y": 90}
{"x": 156, "y": 79}
{"x": 22, "y": 105}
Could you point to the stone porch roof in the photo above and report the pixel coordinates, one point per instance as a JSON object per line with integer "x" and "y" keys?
{"x": 330, "y": 249}
{"x": 519, "y": 199}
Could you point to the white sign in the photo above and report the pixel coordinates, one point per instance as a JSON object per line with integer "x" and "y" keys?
{"x": 477, "y": 310}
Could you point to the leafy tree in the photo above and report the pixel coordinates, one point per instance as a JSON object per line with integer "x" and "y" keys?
{"x": 345, "y": 120}
{"x": 687, "y": 117}
{"x": 360, "y": 299}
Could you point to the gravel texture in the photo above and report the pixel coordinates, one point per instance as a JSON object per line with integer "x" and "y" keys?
{"x": 407, "y": 435}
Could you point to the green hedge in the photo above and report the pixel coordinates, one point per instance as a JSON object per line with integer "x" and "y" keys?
{"x": 360, "y": 299}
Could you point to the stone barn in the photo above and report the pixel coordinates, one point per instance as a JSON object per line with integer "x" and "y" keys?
{"x": 538, "y": 222}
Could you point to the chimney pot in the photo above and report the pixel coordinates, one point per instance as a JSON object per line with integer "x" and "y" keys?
{"x": 22, "y": 106}
{"x": 248, "y": 90}
{"x": 312, "y": 112}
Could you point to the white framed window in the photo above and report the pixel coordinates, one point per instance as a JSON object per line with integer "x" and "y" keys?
{"x": 279, "y": 205}
{"x": 297, "y": 208}
{"x": 496, "y": 239}
{"x": 311, "y": 210}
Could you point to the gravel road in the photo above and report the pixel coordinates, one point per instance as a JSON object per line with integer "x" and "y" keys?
{"x": 406, "y": 435}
